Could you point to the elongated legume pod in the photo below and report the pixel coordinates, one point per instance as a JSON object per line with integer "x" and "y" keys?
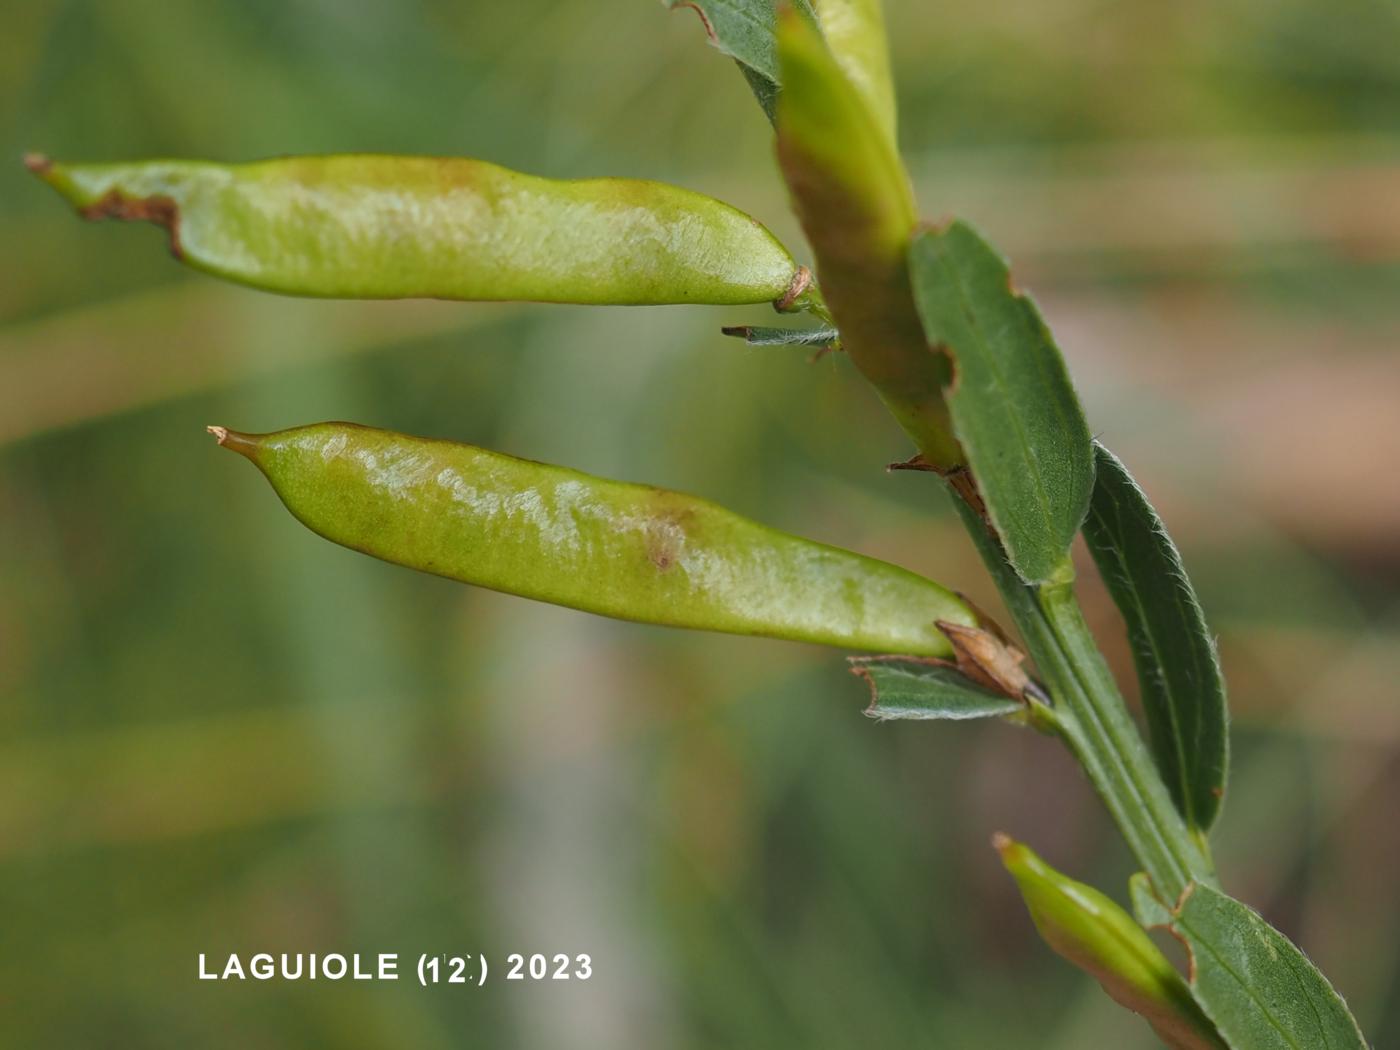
{"x": 382, "y": 227}
{"x": 629, "y": 551}
{"x": 854, "y": 199}
{"x": 855, "y": 32}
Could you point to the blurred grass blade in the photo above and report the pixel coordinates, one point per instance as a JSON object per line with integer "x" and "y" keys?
{"x": 853, "y": 198}
{"x": 1258, "y": 988}
{"x": 629, "y": 551}
{"x": 1183, "y": 691}
{"x": 744, "y": 30}
{"x": 72, "y": 367}
{"x": 382, "y": 227}
{"x": 923, "y": 689}
{"x": 855, "y": 32}
{"x": 1099, "y": 937}
{"x": 1013, "y": 406}
{"x": 757, "y": 335}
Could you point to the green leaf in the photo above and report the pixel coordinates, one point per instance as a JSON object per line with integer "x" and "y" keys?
{"x": 1183, "y": 691}
{"x": 1095, "y": 934}
{"x": 629, "y": 551}
{"x": 923, "y": 689}
{"x": 757, "y": 335}
{"x": 379, "y": 227}
{"x": 1260, "y": 991}
{"x": 854, "y": 200}
{"x": 1147, "y": 907}
{"x": 1013, "y": 406}
{"x": 744, "y": 30}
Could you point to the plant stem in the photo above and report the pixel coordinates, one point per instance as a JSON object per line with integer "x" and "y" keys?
{"x": 1111, "y": 750}
{"x": 1095, "y": 723}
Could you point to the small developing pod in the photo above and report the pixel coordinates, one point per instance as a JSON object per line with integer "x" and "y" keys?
{"x": 623, "y": 550}
{"x": 1095, "y": 934}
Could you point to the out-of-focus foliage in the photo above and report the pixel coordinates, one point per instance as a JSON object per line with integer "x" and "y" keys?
{"x": 218, "y": 733}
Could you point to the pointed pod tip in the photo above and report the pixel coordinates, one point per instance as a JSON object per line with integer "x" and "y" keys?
{"x": 54, "y": 174}
{"x": 243, "y": 444}
{"x": 1016, "y": 857}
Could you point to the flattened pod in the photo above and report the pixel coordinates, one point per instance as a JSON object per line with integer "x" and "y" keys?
{"x": 382, "y": 227}
{"x": 623, "y": 550}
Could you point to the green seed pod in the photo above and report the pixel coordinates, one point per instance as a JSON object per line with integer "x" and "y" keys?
{"x": 855, "y": 32}
{"x": 851, "y": 192}
{"x": 1099, "y": 937}
{"x": 629, "y": 551}
{"x": 379, "y": 227}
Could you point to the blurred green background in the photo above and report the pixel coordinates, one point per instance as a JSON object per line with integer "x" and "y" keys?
{"x": 219, "y": 733}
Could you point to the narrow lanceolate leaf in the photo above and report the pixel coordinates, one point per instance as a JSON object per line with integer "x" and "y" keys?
{"x": 1013, "y": 405}
{"x": 1099, "y": 937}
{"x": 853, "y": 197}
{"x": 757, "y": 335}
{"x": 744, "y": 30}
{"x": 924, "y": 689}
{"x": 855, "y": 32}
{"x": 1183, "y": 691}
{"x": 379, "y": 227}
{"x": 1259, "y": 989}
{"x": 556, "y": 535}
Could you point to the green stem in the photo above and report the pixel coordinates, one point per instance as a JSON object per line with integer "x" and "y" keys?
{"x": 814, "y": 303}
{"x": 1112, "y": 751}
{"x": 1095, "y": 723}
